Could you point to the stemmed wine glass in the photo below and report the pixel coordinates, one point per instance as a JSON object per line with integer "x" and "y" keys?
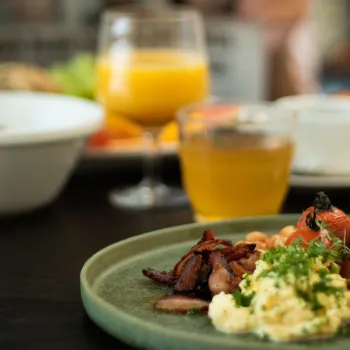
{"x": 151, "y": 62}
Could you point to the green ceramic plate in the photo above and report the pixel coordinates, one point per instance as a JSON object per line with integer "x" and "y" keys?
{"x": 119, "y": 299}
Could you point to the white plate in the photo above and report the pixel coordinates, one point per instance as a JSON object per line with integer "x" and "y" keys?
{"x": 317, "y": 181}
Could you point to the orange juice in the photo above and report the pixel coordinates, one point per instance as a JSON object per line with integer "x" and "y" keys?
{"x": 235, "y": 175}
{"x": 149, "y": 86}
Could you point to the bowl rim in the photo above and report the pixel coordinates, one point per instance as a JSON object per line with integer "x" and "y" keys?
{"x": 92, "y": 122}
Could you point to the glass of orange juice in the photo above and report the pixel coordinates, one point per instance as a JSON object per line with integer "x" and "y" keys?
{"x": 235, "y": 159}
{"x": 151, "y": 63}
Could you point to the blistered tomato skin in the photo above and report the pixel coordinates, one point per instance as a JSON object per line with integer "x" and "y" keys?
{"x": 336, "y": 220}
{"x": 305, "y": 234}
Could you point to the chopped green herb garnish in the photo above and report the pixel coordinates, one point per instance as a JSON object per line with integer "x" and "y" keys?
{"x": 310, "y": 299}
{"x": 338, "y": 245}
{"x": 304, "y": 331}
{"x": 323, "y": 287}
{"x": 241, "y": 299}
{"x": 323, "y": 272}
{"x": 192, "y": 312}
{"x": 296, "y": 260}
{"x": 248, "y": 281}
{"x": 334, "y": 269}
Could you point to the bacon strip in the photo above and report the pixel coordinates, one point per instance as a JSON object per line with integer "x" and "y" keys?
{"x": 180, "y": 303}
{"x": 250, "y": 247}
{"x": 208, "y": 235}
{"x": 189, "y": 275}
{"x": 207, "y": 245}
{"x": 205, "y": 270}
{"x": 237, "y": 252}
{"x": 222, "y": 278}
{"x": 238, "y": 269}
{"x": 221, "y": 281}
{"x": 161, "y": 277}
{"x": 249, "y": 263}
{"x": 215, "y": 259}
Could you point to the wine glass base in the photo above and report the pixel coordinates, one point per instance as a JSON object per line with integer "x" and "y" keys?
{"x": 144, "y": 197}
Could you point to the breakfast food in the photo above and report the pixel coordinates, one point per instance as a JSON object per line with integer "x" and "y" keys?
{"x": 294, "y": 293}
{"x": 323, "y": 210}
{"x": 264, "y": 242}
{"x": 115, "y": 127}
{"x": 285, "y": 287}
{"x": 26, "y": 77}
{"x": 213, "y": 265}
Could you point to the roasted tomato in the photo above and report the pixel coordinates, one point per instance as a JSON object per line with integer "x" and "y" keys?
{"x": 323, "y": 211}
{"x": 305, "y": 234}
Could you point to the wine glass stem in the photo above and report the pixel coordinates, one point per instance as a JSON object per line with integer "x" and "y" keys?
{"x": 151, "y": 162}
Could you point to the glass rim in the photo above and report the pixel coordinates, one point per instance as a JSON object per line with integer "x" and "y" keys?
{"x": 138, "y": 13}
{"x": 183, "y": 116}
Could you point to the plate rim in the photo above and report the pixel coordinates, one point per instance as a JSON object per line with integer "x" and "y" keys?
{"x": 88, "y": 295}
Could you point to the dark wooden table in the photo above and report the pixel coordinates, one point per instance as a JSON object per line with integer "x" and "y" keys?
{"x": 41, "y": 255}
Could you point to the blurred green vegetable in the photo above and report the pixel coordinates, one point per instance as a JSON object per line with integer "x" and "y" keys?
{"x": 77, "y": 77}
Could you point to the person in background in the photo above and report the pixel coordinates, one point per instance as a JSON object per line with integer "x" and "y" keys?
{"x": 290, "y": 40}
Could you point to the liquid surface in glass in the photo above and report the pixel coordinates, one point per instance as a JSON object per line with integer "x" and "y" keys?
{"x": 149, "y": 86}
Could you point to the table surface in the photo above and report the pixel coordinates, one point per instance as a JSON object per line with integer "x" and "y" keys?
{"x": 41, "y": 255}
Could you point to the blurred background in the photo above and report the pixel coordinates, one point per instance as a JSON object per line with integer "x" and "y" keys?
{"x": 288, "y": 47}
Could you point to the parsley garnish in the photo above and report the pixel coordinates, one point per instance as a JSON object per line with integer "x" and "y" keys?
{"x": 323, "y": 287}
{"x": 339, "y": 246}
{"x": 334, "y": 268}
{"x": 241, "y": 299}
{"x": 297, "y": 263}
{"x": 192, "y": 312}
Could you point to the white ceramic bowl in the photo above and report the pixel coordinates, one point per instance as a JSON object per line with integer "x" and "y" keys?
{"x": 41, "y": 138}
{"x": 323, "y": 133}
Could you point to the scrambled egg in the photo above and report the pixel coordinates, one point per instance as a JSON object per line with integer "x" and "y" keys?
{"x": 308, "y": 300}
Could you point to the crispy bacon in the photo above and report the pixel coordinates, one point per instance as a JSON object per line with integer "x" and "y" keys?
{"x": 238, "y": 269}
{"x": 222, "y": 278}
{"x": 208, "y": 235}
{"x": 180, "y": 303}
{"x": 189, "y": 275}
{"x": 237, "y": 252}
{"x": 161, "y": 277}
{"x": 246, "y": 246}
{"x": 207, "y": 245}
{"x": 215, "y": 258}
{"x": 222, "y": 281}
{"x": 203, "y": 274}
{"x": 205, "y": 270}
{"x": 249, "y": 263}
